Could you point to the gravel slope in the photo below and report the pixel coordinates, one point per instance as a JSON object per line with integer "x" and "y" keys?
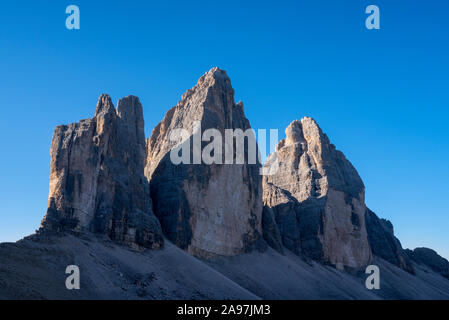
{"x": 34, "y": 268}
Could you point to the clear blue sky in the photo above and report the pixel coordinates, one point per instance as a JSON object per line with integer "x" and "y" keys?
{"x": 381, "y": 96}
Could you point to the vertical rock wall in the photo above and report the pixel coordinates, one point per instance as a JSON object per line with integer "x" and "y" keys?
{"x": 207, "y": 209}
{"x": 97, "y": 180}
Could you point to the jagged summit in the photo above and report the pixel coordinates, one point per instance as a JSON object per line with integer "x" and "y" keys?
{"x": 206, "y": 209}
{"x": 215, "y": 77}
{"x": 324, "y": 217}
{"x": 430, "y": 258}
{"x": 216, "y": 73}
{"x": 97, "y": 182}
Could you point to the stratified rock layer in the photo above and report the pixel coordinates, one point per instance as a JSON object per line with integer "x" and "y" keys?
{"x": 97, "y": 180}
{"x": 318, "y": 198}
{"x": 207, "y": 209}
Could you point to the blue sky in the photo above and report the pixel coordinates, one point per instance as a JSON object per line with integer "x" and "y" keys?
{"x": 382, "y": 96}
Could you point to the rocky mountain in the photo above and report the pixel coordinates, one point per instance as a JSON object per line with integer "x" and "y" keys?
{"x": 34, "y": 268}
{"x": 157, "y": 219}
{"x": 97, "y": 181}
{"x": 318, "y": 199}
{"x": 207, "y": 209}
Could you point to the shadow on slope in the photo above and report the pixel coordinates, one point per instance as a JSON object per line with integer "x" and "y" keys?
{"x": 34, "y": 268}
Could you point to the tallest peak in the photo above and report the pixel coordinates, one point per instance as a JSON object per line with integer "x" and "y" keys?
{"x": 214, "y": 75}
{"x": 300, "y": 131}
{"x": 104, "y": 105}
{"x": 216, "y": 71}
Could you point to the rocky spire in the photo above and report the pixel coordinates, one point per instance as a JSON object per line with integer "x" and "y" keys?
{"x": 97, "y": 181}
{"x": 207, "y": 209}
{"x": 318, "y": 198}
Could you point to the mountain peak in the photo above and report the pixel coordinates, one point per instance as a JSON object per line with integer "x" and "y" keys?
{"x": 104, "y": 105}
{"x": 327, "y": 192}
{"x": 207, "y": 209}
{"x": 215, "y": 77}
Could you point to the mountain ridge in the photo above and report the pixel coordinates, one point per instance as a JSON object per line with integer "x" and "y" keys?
{"x": 112, "y": 190}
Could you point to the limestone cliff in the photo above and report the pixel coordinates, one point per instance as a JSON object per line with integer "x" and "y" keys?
{"x": 431, "y": 259}
{"x": 207, "y": 209}
{"x": 383, "y": 242}
{"x": 97, "y": 181}
{"x": 318, "y": 198}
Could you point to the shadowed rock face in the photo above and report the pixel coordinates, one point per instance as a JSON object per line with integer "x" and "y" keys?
{"x": 97, "y": 180}
{"x": 206, "y": 209}
{"x": 383, "y": 242}
{"x": 431, "y": 259}
{"x": 270, "y": 230}
{"x": 318, "y": 198}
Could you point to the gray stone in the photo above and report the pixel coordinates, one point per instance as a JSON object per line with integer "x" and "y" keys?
{"x": 270, "y": 229}
{"x": 207, "y": 210}
{"x": 383, "y": 242}
{"x": 430, "y": 258}
{"x": 318, "y": 198}
{"x": 97, "y": 181}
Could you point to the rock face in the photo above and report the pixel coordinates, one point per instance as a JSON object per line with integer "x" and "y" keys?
{"x": 97, "y": 180}
{"x": 270, "y": 229}
{"x": 281, "y": 208}
{"x": 207, "y": 209}
{"x": 383, "y": 242}
{"x": 431, "y": 259}
{"x": 318, "y": 198}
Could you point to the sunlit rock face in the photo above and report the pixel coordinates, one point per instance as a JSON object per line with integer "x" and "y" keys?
{"x": 97, "y": 181}
{"x": 318, "y": 198}
{"x": 206, "y": 209}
